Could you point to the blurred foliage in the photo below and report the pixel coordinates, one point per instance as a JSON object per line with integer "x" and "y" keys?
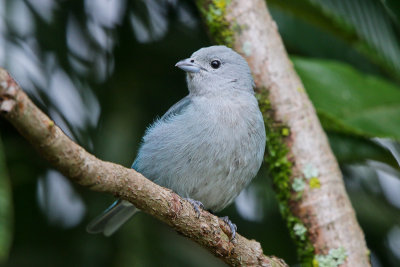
{"x": 103, "y": 70}
{"x": 6, "y": 209}
{"x": 351, "y": 149}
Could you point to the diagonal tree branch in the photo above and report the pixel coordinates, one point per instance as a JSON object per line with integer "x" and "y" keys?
{"x": 306, "y": 175}
{"x": 85, "y": 169}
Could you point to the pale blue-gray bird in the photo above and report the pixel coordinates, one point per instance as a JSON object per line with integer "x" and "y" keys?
{"x": 209, "y": 145}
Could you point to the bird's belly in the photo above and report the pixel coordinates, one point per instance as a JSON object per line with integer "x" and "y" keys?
{"x": 214, "y": 172}
{"x": 219, "y": 190}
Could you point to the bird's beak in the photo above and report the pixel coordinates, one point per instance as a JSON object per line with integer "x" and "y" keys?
{"x": 188, "y": 66}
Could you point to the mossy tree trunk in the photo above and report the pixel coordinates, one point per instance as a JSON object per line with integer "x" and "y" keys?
{"x": 306, "y": 175}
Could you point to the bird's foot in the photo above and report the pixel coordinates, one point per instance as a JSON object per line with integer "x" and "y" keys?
{"x": 197, "y": 205}
{"x": 231, "y": 225}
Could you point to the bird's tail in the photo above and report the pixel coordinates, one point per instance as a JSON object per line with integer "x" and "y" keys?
{"x": 112, "y": 218}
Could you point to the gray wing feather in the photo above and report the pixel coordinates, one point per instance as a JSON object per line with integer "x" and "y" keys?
{"x": 177, "y": 109}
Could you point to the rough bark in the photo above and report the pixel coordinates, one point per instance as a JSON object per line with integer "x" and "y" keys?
{"x": 319, "y": 216}
{"x": 85, "y": 169}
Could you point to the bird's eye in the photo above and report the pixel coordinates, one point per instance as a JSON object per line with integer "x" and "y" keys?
{"x": 215, "y": 64}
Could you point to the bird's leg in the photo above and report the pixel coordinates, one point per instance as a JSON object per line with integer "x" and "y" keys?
{"x": 196, "y": 205}
{"x": 231, "y": 225}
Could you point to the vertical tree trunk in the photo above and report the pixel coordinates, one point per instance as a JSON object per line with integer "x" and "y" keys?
{"x": 306, "y": 175}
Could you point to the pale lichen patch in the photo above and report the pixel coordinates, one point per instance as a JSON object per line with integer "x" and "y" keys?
{"x": 310, "y": 171}
{"x": 334, "y": 258}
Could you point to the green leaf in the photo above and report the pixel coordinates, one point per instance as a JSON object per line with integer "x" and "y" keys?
{"x": 6, "y": 212}
{"x": 349, "y": 101}
{"x": 365, "y": 24}
{"x": 393, "y": 9}
{"x": 350, "y": 149}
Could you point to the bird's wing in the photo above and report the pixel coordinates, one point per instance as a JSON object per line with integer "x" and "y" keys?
{"x": 177, "y": 109}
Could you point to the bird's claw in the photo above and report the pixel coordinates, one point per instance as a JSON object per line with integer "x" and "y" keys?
{"x": 196, "y": 205}
{"x": 231, "y": 225}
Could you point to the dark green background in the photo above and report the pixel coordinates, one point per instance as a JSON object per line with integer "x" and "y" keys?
{"x": 139, "y": 84}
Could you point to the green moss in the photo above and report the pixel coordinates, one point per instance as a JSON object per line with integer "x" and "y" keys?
{"x": 315, "y": 183}
{"x": 213, "y": 12}
{"x": 280, "y": 169}
{"x": 285, "y": 132}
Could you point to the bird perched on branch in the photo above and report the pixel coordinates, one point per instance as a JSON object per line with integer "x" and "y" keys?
{"x": 208, "y": 146}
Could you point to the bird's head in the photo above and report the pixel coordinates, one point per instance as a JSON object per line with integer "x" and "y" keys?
{"x": 216, "y": 69}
